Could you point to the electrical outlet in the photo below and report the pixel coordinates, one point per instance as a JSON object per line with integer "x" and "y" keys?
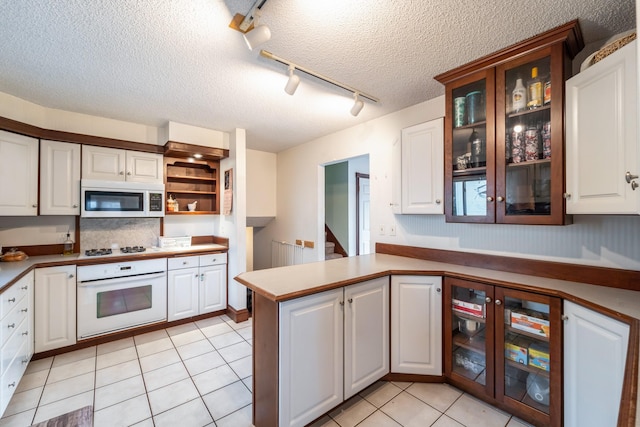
{"x": 392, "y": 230}
{"x": 381, "y": 230}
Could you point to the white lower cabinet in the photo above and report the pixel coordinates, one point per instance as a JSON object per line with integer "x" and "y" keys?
{"x": 595, "y": 351}
{"x": 416, "y": 325}
{"x": 332, "y": 345}
{"x": 16, "y": 329}
{"x": 196, "y": 285}
{"x": 55, "y": 307}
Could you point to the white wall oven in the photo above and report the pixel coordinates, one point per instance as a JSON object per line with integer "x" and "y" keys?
{"x": 118, "y": 296}
{"x": 114, "y": 199}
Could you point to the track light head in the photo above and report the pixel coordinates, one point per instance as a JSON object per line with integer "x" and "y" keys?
{"x": 357, "y": 105}
{"x": 293, "y": 82}
{"x": 257, "y": 36}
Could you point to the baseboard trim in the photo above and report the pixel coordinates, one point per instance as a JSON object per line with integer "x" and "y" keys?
{"x": 238, "y": 315}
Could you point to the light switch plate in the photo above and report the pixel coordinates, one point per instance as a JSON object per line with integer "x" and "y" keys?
{"x": 381, "y": 230}
{"x": 392, "y": 230}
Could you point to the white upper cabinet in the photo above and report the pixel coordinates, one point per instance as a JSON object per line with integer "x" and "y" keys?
{"x": 421, "y": 170}
{"x": 112, "y": 164}
{"x": 18, "y": 175}
{"x": 59, "y": 178}
{"x": 602, "y": 143}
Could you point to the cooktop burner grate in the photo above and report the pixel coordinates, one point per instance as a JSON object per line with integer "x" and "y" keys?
{"x": 97, "y": 252}
{"x": 132, "y": 249}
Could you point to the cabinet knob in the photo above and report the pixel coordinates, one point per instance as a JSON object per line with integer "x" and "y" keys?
{"x": 487, "y": 299}
{"x": 498, "y": 302}
{"x": 34, "y": 205}
{"x": 196, "y": 275}
{"x": 438, "y": 290}
{"x": 74, "y": 206}
{"x": 489, "y": 199}
{"x": 341, "y": 302}
{"x": 11, "y": 300}
{"x": 438, "y": 201}
{"x": 129, "y": 173}
{"x": 350, "y": 300}
{"x": 500, "y": 199}
{"x": 566, "y": 195}
{"x": 121, "y": 172}
{"x": 11, "y": 326}
{"x": 565, "y": 317}
{"x": 629, "y": 177}
{"x": 202, "y": 277}
{"x": 71, "y": 276}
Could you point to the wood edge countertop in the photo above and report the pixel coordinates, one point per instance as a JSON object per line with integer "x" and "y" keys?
{"x": 10, "y": 272}
{"x": 285, "y": 283}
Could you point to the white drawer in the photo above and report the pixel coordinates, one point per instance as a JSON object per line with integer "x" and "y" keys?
{"x": 15, "y": 317}
{"x": 182, "y": 262}
{"x": 14, "y": 294}
{"x": 12, "y": 375}
{"x": 213, "y": 259}
{"x": 13, "y": 346}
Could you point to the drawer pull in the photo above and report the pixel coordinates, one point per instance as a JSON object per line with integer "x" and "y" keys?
{"x": 24, "y": 310}
{"x": 202, "y": 277}
{"x": 11, "y": 300}
{"x": 13, "y": 325}
{"x": 13, "y": 384}
{"x": 25, "y": 333}
{"x": 185, "y": 262}
{"x": 24, "y": 288}
{"x": 25, "y": 361}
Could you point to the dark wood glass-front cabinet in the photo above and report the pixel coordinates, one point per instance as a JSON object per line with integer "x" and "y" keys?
{"x": 503, "y": 345}
{"x": 504, "y": 132}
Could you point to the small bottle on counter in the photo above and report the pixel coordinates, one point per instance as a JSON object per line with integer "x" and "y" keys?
{"x": 67, "y": 248}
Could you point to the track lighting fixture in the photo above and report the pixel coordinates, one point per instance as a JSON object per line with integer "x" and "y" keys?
{"x": 357, "y": 105}
{"x": 293, "y": 82}
{"x": 252, "y": 36}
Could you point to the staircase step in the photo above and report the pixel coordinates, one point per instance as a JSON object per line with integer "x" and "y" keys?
{"x": 329, "y": 248}
{"x": 332, "y": 256}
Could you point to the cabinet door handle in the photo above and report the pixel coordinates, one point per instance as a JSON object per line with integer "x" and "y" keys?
{"x": 34, "y": 205}
{"x": 75, "y": 206}
{"x": 634, "y": 185}
{"x": 487, "y": 299}
{"x": 129, "y": 173}
{"x": 121, "y": 172}
{"x": 24, "y": 310}
{"x": 438, "y": 290}
{"x": 565, "y": 317}
{"x": 71, "y": 276}
{"x": 202, "y": 277}
{"x": 498, "y": 302}
{"x": 24, "y": 288}
{"x": 11, "y": 300}
{"x": 25, "y": 333}
{"x": 489, "y": 199}
{"x": 13, "y": 384}
{"x": 567, "y": 195}
{"x": 25, "y": 361}
{"x": 11, "y": 326}
{"x": 350, "y": 300}
{"x": 438, "y": 201}
{"x": 629, "y": 177}
{"x": 184, "y": 263}
{"x": 341, "y": 302}
{"x": 500, "y": 199}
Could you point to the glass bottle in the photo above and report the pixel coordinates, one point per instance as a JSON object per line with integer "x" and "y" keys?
{"x": 519, "y": 97}
{"x": 477, "y": 150}
{"x": 67, "y": 248}
{"x": 535, "y": 90}
{"x": 547, "y": 91}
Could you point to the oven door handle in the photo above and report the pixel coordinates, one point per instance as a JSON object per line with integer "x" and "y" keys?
{"x": 119, "y": 280}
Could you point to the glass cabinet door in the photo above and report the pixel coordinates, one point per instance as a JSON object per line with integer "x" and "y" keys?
{"x": 529, "y": 156}
{"x": 470, "y": 149}
{"x": 470, "y": 340}
{"x": 526, "y": 351}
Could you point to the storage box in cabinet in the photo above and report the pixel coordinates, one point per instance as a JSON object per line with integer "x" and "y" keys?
{"x": 531, "y": 324}
{"x": 183, "y": 262}
{"x": 213, "y": 259}
{"x": 539, "y": 356}
{"x": 470, "y": 308}
{"x": 516, "y": 353}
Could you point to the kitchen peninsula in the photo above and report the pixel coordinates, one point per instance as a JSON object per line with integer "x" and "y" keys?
{"x": 295, "y": 305}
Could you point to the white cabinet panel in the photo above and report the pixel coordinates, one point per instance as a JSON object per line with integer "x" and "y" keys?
{"x": 182, "y": 300}
{"x": 422, "y": 169}
{"x": 601, "y": 143}
{"x": 213, "y": 288}
{"x": 19, "y": 175}
{"x": 366, "y": 334}
{"x": 595, "y": 351}
{"x": 416, "y": 325}
{"x": 121, "y": 165}
{"x": 311, "y": 357}
{"x": 55, "y": 307}
{"x": 144, "y": 167}
{"x": 59, "y": 178}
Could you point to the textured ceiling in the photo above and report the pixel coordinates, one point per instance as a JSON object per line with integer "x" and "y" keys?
{"x": 153, "y": 61}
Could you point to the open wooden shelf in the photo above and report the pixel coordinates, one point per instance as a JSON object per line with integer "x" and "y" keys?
{"x": 189, "y": 181}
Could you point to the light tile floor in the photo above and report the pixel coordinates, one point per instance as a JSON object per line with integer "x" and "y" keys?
{"x": 199, "y": 374}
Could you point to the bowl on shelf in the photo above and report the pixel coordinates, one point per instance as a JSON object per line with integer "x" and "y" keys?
{"x": 192, "y": 206}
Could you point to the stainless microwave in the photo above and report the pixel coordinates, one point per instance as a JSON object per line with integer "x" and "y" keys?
{"x": 115, "y": 199}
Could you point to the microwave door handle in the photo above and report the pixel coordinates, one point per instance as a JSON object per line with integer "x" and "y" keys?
{"x": 119, "y": 280}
